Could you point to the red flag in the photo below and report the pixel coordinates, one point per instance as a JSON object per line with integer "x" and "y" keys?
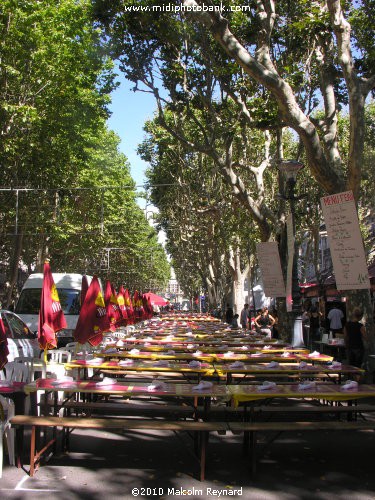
{"x": 84, "y": 288}
{"x": 93, "y": 319}
{"x": 4, "y": 351}
{"x": 111, "y": 304}
{"x": 51, "y": 316}
{"x": 129, "y": 307}
{"x": 147, "y": 307}
{"x": 122, "y": 306}
{"x": 138, "y": 306}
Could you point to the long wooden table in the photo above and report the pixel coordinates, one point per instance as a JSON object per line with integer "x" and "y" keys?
{"x": 286, "y": 370}
{"x": 210, "y": 357}
{"x": 322, "y": 391}
{"x": 141, "y": 367}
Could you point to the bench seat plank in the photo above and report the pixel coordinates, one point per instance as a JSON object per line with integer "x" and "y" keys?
{"x": 200, "y": 430}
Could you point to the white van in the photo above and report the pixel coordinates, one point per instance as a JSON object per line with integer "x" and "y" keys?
{"x": 69, "y": 290}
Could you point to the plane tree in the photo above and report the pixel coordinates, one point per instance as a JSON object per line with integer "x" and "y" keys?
{"x": 289, "y": 58}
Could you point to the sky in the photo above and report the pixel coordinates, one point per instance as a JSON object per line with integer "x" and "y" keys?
{"x": 130, "y": 110}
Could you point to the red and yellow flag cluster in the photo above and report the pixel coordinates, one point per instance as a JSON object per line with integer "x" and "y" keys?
{"x": 98, "y": 313}
{"x": 102, "y": 314}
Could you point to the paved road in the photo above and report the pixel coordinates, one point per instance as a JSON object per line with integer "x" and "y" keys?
{"x": 306, "y": 466}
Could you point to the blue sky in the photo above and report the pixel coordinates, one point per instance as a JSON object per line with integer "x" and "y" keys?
{"x": 130, "y": 110}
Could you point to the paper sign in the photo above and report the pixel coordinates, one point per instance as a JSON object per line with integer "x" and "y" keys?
{"x": 345, "y": 241}
{"x": 270, "y": 266}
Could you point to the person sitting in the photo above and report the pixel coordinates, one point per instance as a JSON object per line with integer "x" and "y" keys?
{"x": 234, "y": 324}
{"x": 264, "y": 322}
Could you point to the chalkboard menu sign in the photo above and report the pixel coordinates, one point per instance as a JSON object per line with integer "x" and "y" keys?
{"x": 345, "y": 241}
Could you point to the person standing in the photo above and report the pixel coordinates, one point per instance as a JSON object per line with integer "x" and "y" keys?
{"x": 264, "y": 321}
{"x": 354, "y": 335}
{"x": 244, "y": 318}
{"x": 314, "y": 315}
{"x": 335, "y": 317}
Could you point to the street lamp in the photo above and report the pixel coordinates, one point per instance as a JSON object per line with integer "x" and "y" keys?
{"x": 290, "y": 169}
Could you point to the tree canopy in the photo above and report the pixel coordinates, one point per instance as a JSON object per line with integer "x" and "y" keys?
{"x": 66, "y": 191}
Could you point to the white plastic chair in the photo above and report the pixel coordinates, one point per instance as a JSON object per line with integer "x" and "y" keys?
{"x": 17, "y": 372}
{"x": 6, "y": 413}
{"x": 72, "y": 347}
{"x": 119, "y": 335}
{"x": 37, "y": 366}
{"x": 59, "y": 356}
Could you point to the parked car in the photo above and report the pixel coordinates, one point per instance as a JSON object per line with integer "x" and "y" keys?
{"x": 21, "y": 340}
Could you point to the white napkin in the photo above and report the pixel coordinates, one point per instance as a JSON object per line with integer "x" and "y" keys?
{"x": 335, "y": 365}
{"x": 304, "y": 386}
{"x": 197, "y": 353}
{"x": 134, "y": 351}
{"x": 244, "y": 348}
{"x": 132, "y": 338}
{"x": 190, "y": 346}
{"x": 228, "y": 354}
{"x": 195, "y": 364}
{"x": 106, "y": 381}
{"x": 125, "y": 362}
{"x": 350, "y": 385}
{"x": 314, "y": 354}
{"x": 267, "y": 347}
{"x": 273, "y": 364}
{"x": 285, "y": 354}
{"x": 156, "y": 385}
{"x": 62, "y": 380}
{"x": 162, "y": 362}
{"x": 110, "y": 350}
{"x": 120, "y": 343}
{"x": 95, "y": 361}
{"x": 202, "y": 386}
{"x": 266, "y": 386}
{"x": 189, "y": 334}
{"x": 237, "y": 364}
{"x": 256, "y": 354}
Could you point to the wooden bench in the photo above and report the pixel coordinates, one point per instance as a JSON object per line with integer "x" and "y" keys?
{"x": 251, "y": 428}
{"x": 200, "y": 430}
{"x": 123, "y": 408}
{"x": 228, "y": 413}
